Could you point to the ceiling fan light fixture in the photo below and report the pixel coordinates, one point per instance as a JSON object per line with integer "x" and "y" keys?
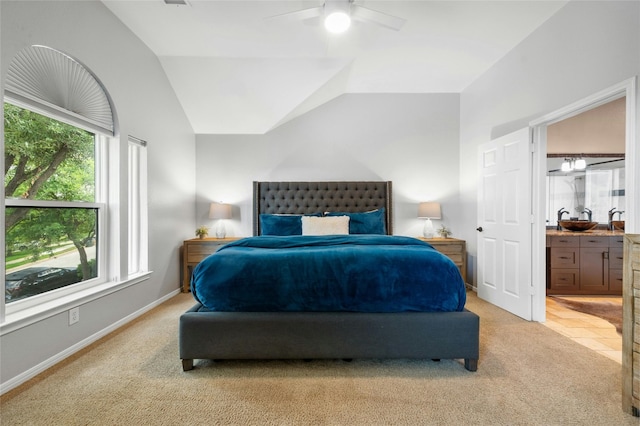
{"x": 337, "y": 22}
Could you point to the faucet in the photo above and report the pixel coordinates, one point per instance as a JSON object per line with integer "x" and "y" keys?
{"x": 588, "y": 212}
{"x": 611, "y": 213}
{"x": 560, "y": 213}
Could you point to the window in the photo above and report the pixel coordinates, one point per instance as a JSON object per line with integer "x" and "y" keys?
{"x": 63, "y": 229}
{"x": 53, "y": 207}
{"x": 137, "y": 206}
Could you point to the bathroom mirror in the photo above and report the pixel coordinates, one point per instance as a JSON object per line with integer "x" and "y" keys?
{"x": 598, "y": 187}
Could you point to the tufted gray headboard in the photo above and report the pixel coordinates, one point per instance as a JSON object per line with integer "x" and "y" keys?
{"x": 314, "y": 197}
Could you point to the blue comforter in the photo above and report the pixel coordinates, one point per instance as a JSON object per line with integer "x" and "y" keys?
{"x": 357, "y": 273}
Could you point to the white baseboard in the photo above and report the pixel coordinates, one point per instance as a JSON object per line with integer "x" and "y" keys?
{"x": 34, "y": 371}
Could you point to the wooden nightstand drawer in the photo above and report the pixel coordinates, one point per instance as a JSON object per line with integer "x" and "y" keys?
{"x": 456, "y": 257}
{"x": 204, "y": 248}
{"x": 196, "y": 258}
{"x": 450, "y": 250}
{"x": 196, "y": 252}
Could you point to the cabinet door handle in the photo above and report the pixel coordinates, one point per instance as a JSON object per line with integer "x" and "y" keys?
{"x": 564, "y": 257}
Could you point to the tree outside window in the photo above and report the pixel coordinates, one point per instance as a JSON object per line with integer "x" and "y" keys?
{"x": 51, "y": 217}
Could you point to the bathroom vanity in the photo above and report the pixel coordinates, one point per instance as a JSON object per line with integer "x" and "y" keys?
{"x": 584, "y": 263}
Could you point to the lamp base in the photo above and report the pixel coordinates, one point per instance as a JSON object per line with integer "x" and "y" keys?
{"x": 428, "y": 231}
{"x": 221, "y": 232}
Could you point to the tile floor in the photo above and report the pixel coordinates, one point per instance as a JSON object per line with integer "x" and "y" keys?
{"x": 588, "y": 330}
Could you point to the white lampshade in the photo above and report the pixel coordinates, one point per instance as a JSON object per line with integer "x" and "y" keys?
{"x": 219, "y": 211}
{"x": 430, "y": 209}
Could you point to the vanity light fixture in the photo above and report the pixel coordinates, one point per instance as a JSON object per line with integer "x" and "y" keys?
{"x": 429, "y": 210}
{"x": 570, "y": 164}
{"x": 221, "y": 212}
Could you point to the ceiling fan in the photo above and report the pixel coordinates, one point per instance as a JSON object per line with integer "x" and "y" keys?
{"x": 339, "y": 13}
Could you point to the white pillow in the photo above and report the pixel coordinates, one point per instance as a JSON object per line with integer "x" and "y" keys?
{"x": 332, "y": 225}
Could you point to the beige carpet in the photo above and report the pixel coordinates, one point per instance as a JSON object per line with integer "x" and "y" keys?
{"x": 527, "y": 375}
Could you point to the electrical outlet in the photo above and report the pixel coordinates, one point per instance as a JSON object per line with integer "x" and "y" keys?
{"x": 74, "y": 315}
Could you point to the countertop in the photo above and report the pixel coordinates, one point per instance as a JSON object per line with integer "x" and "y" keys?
{"x": 592, "y": 232}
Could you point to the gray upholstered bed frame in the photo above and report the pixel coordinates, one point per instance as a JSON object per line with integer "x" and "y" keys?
{"x": 314, "y": 335}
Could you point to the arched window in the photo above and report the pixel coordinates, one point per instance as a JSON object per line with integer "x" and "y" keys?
{"x": 57, "y": 121}
{"x": 48, "y": 80}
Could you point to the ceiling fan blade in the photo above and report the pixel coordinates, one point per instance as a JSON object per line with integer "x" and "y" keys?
{"x": 361, "y": 13}
{"x": 299, "y": 15}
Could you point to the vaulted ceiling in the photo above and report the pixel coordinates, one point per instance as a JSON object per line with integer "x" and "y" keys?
{"x": 237, "y": 72}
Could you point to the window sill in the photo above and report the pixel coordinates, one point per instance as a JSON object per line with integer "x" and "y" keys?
{"x": 26, "y": 317}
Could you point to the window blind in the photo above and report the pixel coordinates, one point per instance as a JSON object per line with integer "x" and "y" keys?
{"x": 45, "y": 79}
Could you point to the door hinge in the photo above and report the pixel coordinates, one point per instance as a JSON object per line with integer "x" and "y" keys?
{"x": 532, "y": 290}
{"x": 532, "y": 147}
{"x": 533, "y": 219}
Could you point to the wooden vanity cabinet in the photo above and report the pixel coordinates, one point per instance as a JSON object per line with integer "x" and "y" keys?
{"x": 616, "y": 256}
{"x": 583, "y": 264}
{"x": 594, "y": 264}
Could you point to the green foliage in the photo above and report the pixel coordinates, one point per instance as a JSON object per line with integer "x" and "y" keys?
{"x": 46, "y": 159}
{"x": 444, "y": 232}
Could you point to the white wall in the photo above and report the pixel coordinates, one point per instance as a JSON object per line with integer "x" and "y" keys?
{"x": 583, "y": 49}
{"x": 411, "y": 140}
{"x": 146, "y": 107}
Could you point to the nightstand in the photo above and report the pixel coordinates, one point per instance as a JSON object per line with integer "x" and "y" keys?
{"x": 194, "y": 251}
{"x": 454, "y": 249}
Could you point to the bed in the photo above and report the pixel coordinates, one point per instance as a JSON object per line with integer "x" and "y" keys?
{"x": 234, "y": 321}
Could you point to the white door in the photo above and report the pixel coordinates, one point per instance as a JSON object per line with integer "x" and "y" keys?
{"x": 504, "y": 223}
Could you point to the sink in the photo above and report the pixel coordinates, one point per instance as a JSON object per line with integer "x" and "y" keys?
{"x": 577, "y": 225}
{"x": 618, "y": 224}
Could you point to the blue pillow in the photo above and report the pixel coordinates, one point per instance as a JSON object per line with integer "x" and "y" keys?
{"x": 281, "y": 224}
{"x": 372, "y": 222}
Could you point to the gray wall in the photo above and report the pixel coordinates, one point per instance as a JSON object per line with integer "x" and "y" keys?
{"x": 147, "y": 108}
{"x": 583, "y": 49}
{"x": 411, "y": 140}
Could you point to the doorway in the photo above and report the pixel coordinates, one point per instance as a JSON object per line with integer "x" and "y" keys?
{"x": 585, "y": 179}
{"x": 541, "y": 130}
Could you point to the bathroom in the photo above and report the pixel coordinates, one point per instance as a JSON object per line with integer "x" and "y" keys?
{"x": 586, "y": 202}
